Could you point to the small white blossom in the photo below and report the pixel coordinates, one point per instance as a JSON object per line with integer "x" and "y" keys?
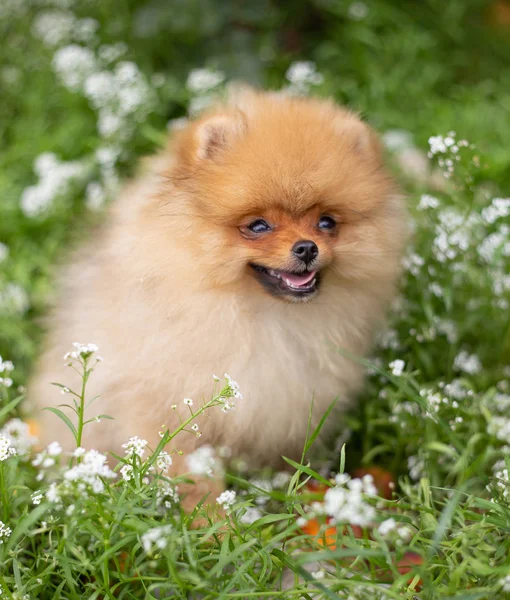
{"x": 302, "y": 75}
{"x": 156, "y": 537}
{"x": 37, "y": 497}
{"x": 81, "y": 351}
{"x": 55, "y": 178}
{"x": 90, "y": 471}
{"x": 469, "y": 363}
{"x": 18, "y": 433}
{"x": 203, "y": 80}
{"x": 54, "y": 449}
{"x": 357, "y": 11}
{"x": 188, "y": 401}
{"x": 346, "y": 503}
{"x": 163, "y": 461}
{"x": 226, "y": 499}
{"x": 52, "y": 494}
{"x": 387, "y": 526}
{"x": 5, "y": 532}
{"x": 195, "y": 427}
{"x": 320, "y": 574}
{"x": 135, "y": 446}
{"x": 203, "y": 461}
{"x": 73, "y": 64}
{"x": 427, "y": 201}
{"x": 127, "y": 472}
{"x": 397, "y": 367}
{"x": 250, "y": 515}
{"x": 505, "y": 583}
{"x": 6, "y": 450}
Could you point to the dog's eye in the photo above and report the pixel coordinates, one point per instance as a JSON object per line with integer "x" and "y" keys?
{"x": 259, "y": 226}
{"x": 327, "y": 223}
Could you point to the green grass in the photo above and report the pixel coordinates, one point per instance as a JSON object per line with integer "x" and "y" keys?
{"x": 441, "y": 427}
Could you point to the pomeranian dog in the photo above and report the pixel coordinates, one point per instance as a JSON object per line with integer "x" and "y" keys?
{"x": 266, "y": 235}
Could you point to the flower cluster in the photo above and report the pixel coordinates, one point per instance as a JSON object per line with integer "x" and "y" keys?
{"x": 6, "y": 367}
{"x": 55, "y": 178}
{"x": 89, "y": 472}
{"x": 5, "y": 532}
{"x": 55, "y": 27}
{"x": 203, "y": 461}
{"x": 447, "y": 149}
{"x": 6, "y": 450}
{"x": 302, "y": 76}
{"x": 157, "y": 537}
{"x": 226, "y": 499}
{"x": 391, "y": 529}
{"x": 346, "y": 501}
{"x": 82, "y": 352}
{"x": 19, "y": 435}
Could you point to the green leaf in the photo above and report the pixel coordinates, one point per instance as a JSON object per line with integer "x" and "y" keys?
{"x": 61, "y": 415}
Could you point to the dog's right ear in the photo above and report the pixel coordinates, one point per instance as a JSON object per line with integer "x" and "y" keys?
{"x": 210, "y": 138}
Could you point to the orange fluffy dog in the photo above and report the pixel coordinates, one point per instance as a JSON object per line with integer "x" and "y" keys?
{"x": 266, "y": 234}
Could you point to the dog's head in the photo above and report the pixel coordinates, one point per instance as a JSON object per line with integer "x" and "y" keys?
{"x": 288, "y": 192}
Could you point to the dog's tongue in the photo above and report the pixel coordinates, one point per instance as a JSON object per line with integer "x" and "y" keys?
{"x": 299, "y": 279}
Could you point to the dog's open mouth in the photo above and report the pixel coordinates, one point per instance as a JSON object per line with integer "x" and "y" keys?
{"x": 298, "y": 286}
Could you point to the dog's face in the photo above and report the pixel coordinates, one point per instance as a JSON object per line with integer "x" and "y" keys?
{"x": 289, "y": 193}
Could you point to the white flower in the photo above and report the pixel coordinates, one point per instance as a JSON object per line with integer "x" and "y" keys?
{"x": 157, "y": 536}
{"x": 250, "y": 515}
{"x": 357, "y": 11}
{"x": 469, "y": 363}
{"x": 127, "y": 472}
{"x": 233, "y": 387}
{"x": 81, "y": 351}
{"x": 203, "y": 461}
{"x": 91, "y": 470}
{"x": 163, "y": 461}
{"x": 37, "y": 497}
{"x": 55, "y": 178}
{"x": 387, "y": 526}
{"x": 53, "y": 27}
{"x": 303, "y": 74}
{"x": 94, "y": 196}
{"x": 203, "y": 80}
{"x": 73, "y": 64}
{"x": 427, "y": 201}
{"x": 195, "y": 427}
{"x": 347, "y": 504}
{"x": 5, "y": 532}
{"x": 135, "y": 446}
{"x": 100, "y": 88}
{"x": 167, "y": 495}
{"x": 188, "y": 401}
{"x": 397, "y": 367}
{"x": 500, "y": 428}
{"x": 226, "y": 499}
{"x": 14, "y": 299}
{"x": 54, "y": 449}
{"x": 53, "y": 494}
{"x": 78, "y": 452}
{"x": 320, "y": 574}
{"x": 499, "y": 209}
{"x": 505, "y": 583}
{"x": 18, "y": 433}
{"x": 6, "y": 450}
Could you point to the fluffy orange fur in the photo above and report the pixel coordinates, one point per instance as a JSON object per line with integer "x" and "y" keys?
{"x": 166, "y": 290}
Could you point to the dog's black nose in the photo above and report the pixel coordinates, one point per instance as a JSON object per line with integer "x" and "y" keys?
{"x": 305, "y": 250}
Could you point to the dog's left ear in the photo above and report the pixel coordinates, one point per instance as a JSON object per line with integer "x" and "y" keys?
{"x": 217, "y": 133}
